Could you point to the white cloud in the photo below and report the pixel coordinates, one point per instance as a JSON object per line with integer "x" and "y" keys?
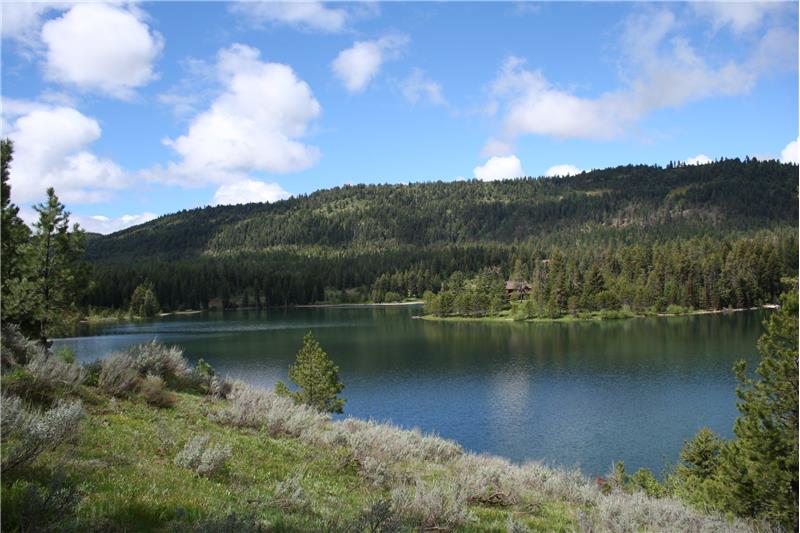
{"x": 562, "y": 170}
{"x": 419, "y": 86}
{"x": 105, "y": 225}
{"x": 499, "y": 168}
{"x": 252, "y": 126}
{"x": 356, "y": 66}
{"x": 248, "y": 191}
{"x": 791, "y": 152}
{"x": 740, "y": 16}
{"x": 304, "y": 15}
{"x": 51, "y": 150}
{"x": 21, "y": 21}
{"x": 700, "y": 159}
{"x": 99, "y": 47}
{"x": 659, "y": 68}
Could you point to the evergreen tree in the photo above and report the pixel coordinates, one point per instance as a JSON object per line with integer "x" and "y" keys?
{"x": 60, "y": 277}
{"x": 762, "y": 466}
{"x": 316, "y": 376}
{"x": 143, "y": 301}
{"x": 14, "y": 235}
{"x": 696, "y": 477}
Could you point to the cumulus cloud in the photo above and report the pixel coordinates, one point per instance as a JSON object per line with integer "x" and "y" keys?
{"x": 51, "y": 150}
{"x": 105, "y": 225}
{"x": 659, "y": 68}
{"x": 499, "y": 168}
{"x": 791, "y": 152}
{"x": 23, "y": 20}
{"x": 100, "y": 47}
{"x": 562, "y": 170}
{"x": 418, "y": 86}
{"x": 254, "y": 125}
{"x": 358, "y": 65}
{"x": 700, "y": 159}
{"x": 248, "y": 191}
{"x": 303, "y": 15}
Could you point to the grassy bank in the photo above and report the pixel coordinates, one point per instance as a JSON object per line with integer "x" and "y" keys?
{"x": 161, "y": 446}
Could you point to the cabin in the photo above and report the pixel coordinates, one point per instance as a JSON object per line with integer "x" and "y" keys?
{"x": 517, "y": 288}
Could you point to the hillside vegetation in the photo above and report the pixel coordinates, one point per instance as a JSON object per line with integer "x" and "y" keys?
{"x": 362, "y": 242}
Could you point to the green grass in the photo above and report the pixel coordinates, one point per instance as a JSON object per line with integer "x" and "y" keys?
{"x": 122, "y": 464}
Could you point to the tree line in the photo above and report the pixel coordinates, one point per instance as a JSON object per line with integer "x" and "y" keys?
{"x": 676, "y": 276}
{"x": 625, "y": 227}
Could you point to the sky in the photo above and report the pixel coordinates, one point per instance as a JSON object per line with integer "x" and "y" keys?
{"x": 134, "y": 110}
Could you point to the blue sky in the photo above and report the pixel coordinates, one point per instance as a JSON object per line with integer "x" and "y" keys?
{"x": 132, "y": 110}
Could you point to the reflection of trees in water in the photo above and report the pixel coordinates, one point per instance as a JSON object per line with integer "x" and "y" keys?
{"x": 636, "y": 345}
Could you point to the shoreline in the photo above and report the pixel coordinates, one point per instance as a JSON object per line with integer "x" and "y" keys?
{"x": 570, "y": 318}
{"x": 382, "y": 304}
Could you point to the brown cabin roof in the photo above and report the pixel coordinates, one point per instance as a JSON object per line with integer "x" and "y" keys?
{"x": 517, "y": 286}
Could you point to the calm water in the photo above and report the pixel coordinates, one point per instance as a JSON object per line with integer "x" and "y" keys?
{"x": 580, "y": 394}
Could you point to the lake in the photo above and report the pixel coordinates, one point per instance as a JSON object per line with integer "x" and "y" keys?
{"x": 571, "y": 394}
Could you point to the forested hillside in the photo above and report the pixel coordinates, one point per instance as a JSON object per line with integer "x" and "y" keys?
{"x": 370, "y": 240}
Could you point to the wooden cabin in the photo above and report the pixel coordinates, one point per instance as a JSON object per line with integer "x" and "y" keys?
{"x": 517, "y": 287}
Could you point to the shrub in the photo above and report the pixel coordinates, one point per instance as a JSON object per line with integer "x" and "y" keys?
{"x": 54, "y": 372}
{"x": 391, "y": 444}
{"x": 154, "y": 392}
{"x": 26, "y": 433}
{"x": 259, "y": 408}
{"x": 220, "y": 387}
{"x": 374, "y": 471}
{"x": 431, "y": 504}
{"x": 516, "y": 526}
{"x": 644, "y": 480}
{"x": 290, "y": 495}
{"x": 15, "y": 348}
{"x": 166, "y": 362}
{"x": 118, "y": 375}
{"x": 166, "y": 439}
{"x": 378, "y": 516}
{"x": 91, "y": 373}
{"x": 636, "y": 512}
{"x": 205, "y": 460}
{"x": 569, "y": 486}
{"x": 66, "y": 354}
{"x": 204, "y": 368}
{"x": 29, "y": 506}
{"x": 489, "y": 480}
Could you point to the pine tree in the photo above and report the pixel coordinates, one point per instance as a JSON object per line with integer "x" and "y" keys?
{"x": 60, "y": 277}
{"x": 317, "y": 378}
{"x": 762, "y": 467}
{"x": 14, "y": 264}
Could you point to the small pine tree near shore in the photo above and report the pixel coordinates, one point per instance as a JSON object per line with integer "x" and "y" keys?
{"x": 317, "y": 378}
